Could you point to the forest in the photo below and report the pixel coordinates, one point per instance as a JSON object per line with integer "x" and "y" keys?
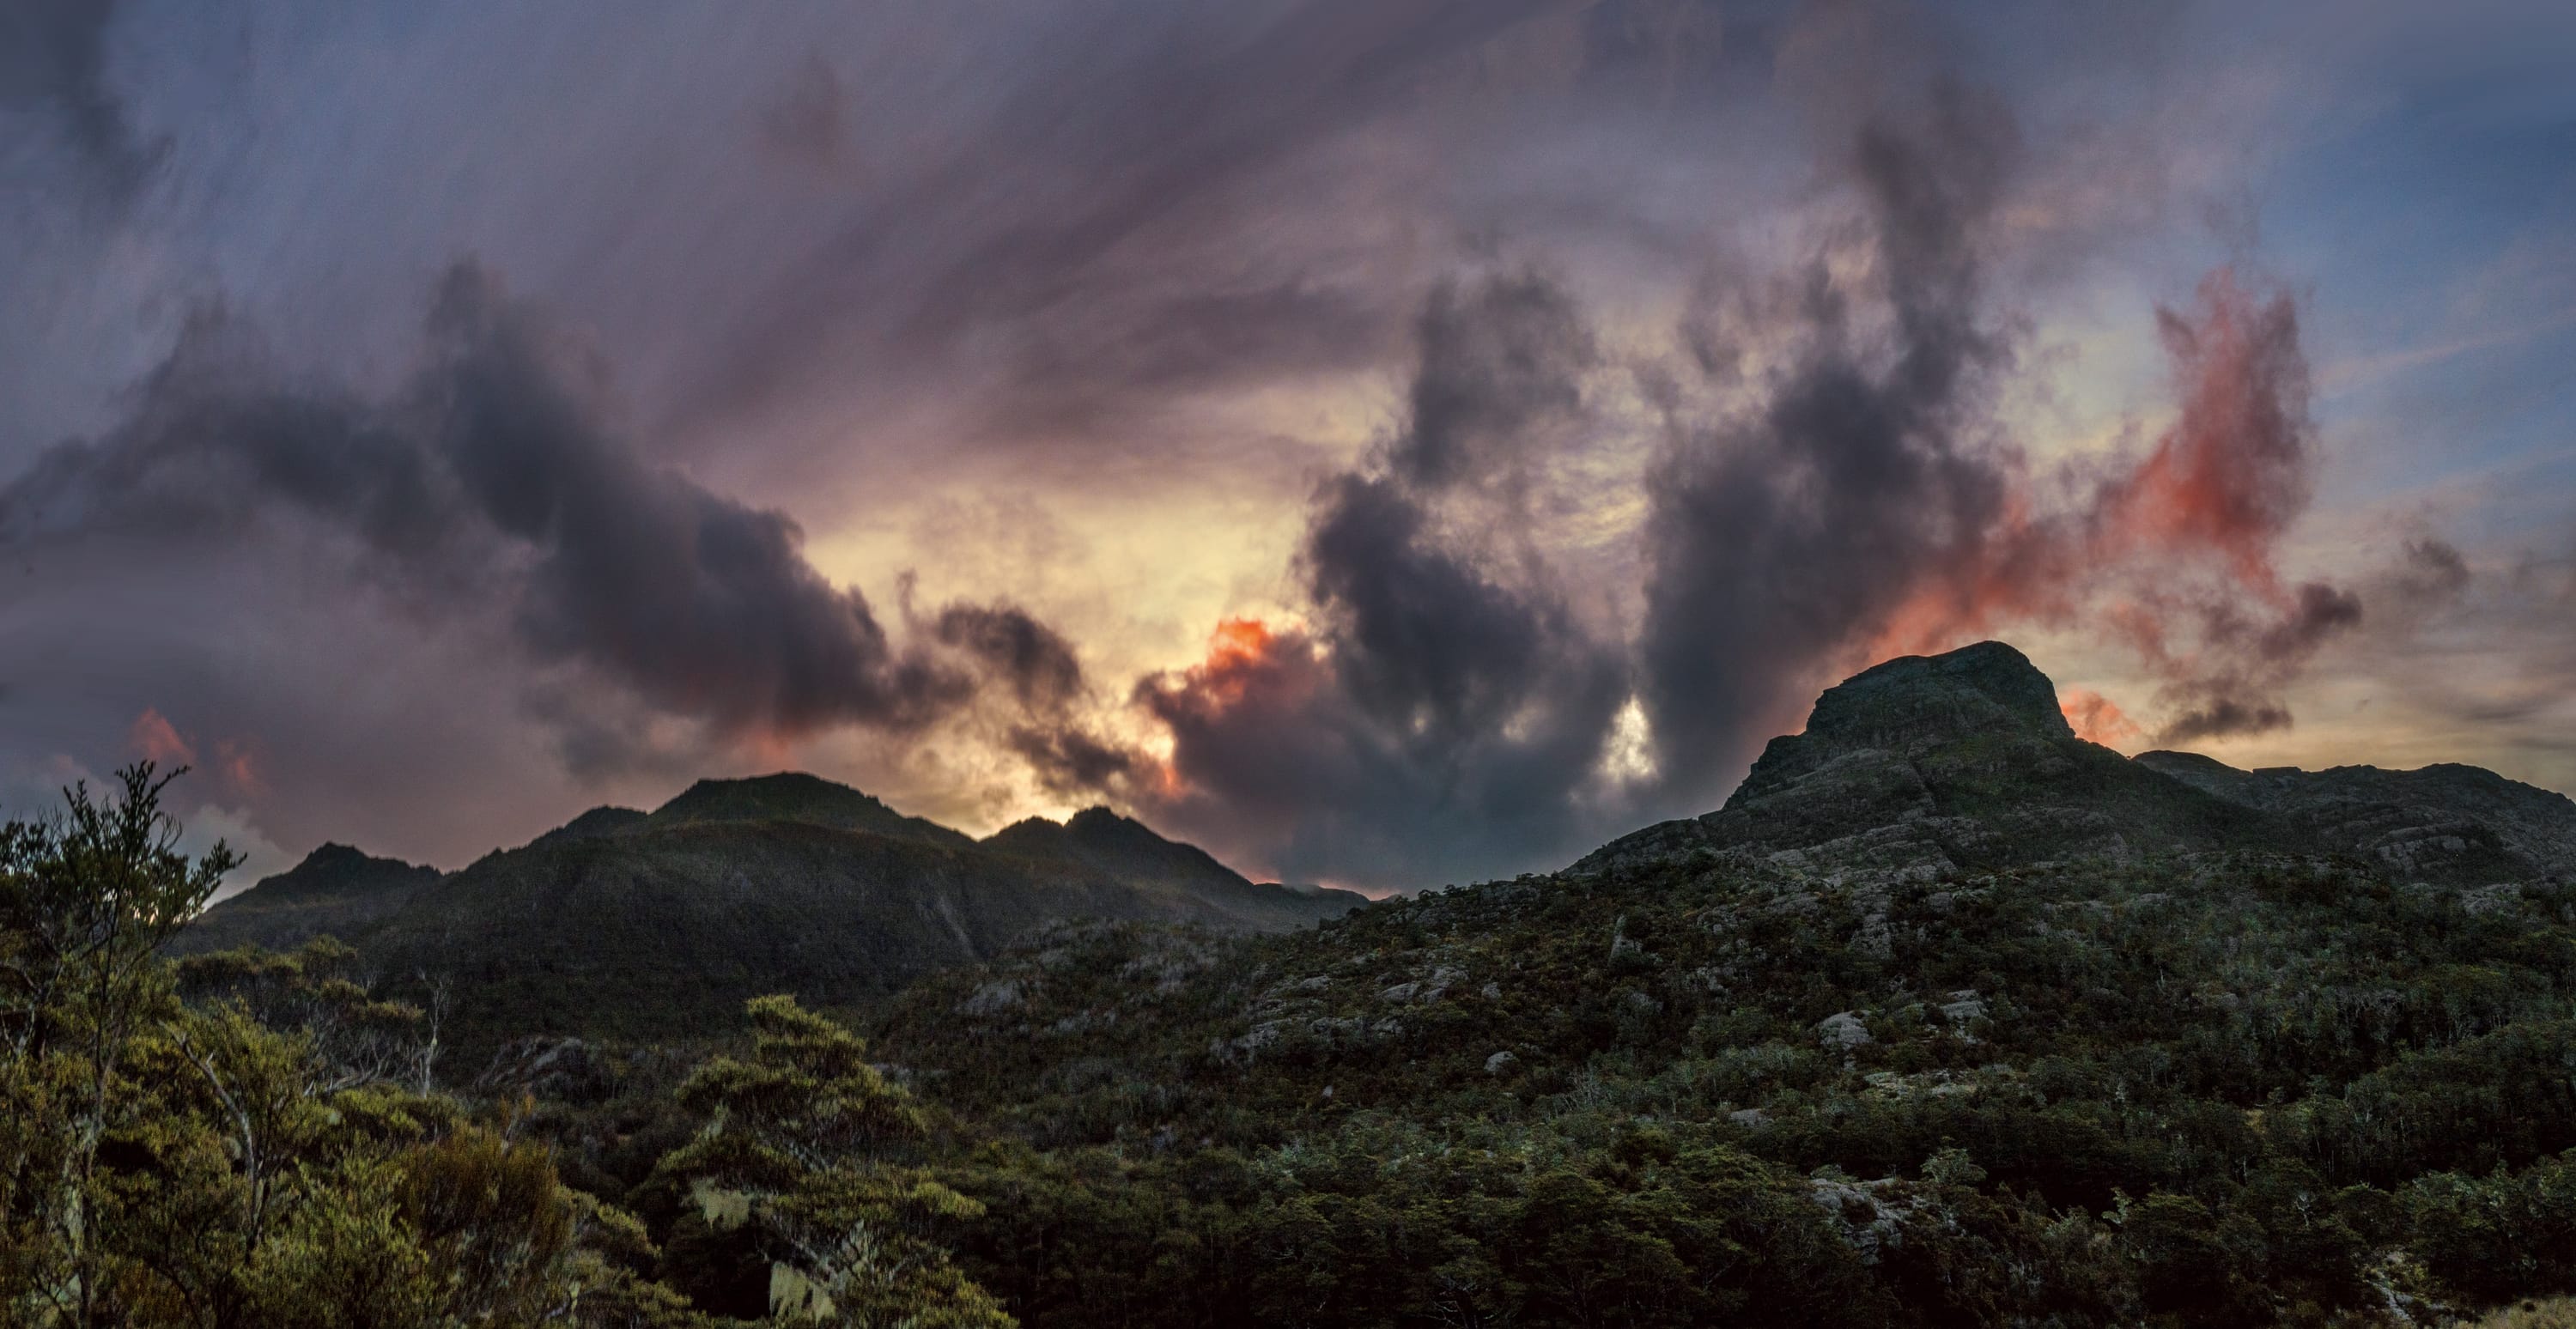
{"x": 2239, "y": 1088}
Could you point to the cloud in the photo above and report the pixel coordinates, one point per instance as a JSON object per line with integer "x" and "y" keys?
{"x": 1833, "y": 484}
{"x": 157, "y": 741}
{"x": 1791, "y": 524}
{"x": 493, "y": 483}
{"x": 1516, "y": 558}
{"x": 53, "y": 64}
{"x": 1446, "y": 707}
{"x": 1035, "y": 660}
{"x": 2096, "y": 718}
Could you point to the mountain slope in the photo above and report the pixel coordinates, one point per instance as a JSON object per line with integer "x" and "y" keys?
{"x": 335, "y": 891}
{"x": 633, "y": 925}
{"x": 1934, "y": 764}
{"x": 2449, "y": 821}
{"x": 1943, "y": 1019}
{"x": 1096, "y": 842}
{"x": 794, "y": 796}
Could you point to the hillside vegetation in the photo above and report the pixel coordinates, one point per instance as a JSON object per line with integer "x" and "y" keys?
{"x": 1945, "y": 1018}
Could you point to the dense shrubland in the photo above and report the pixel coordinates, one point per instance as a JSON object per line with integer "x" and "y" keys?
{"x": 255, "y": 1140}
{"x": 2201, "y": 1089}
{"x": 2235, "y": 1088}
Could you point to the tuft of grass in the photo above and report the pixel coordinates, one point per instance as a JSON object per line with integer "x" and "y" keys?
{"x": 2552, "y": 1313}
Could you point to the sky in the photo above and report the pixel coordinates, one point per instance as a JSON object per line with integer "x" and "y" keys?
{"x": 1387, "y": 442}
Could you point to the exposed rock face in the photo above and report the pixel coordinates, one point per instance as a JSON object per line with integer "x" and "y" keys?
{"x": 336, "y": 891}
{"x": 1928, "y": 764}
{"x": 2446, "y": 821}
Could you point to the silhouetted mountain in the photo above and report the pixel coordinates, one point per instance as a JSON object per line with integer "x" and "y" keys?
{"x": 658, "y": 925}
{"x": 1099, "y": 841}
{"x": 335, "y": 891}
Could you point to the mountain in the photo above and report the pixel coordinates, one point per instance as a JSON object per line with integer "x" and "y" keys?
{"x": 659, "y": 925}
{"x": 1945, "y": 1017}
{"x": 796, "y": 797}
{"x": 2447, "y": 820}
{"x": 335, "y": 891}
{"x": 594, "y": 824}
{"x": 1097, "y": 841}
{"x": 1927, "y": 765}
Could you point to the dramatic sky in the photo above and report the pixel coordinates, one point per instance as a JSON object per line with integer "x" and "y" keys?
{"x": 1385, "y": 441}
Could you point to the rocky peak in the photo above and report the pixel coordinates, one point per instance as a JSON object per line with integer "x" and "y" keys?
{"x": 1099, "y": 826}
{"x": 337, "y": 868}
{"x": 598, "y": 823}
{"x": 1930, "y": 764}
{"x": 1987, "y": 698}
{"x": 1916, "y": 699}
{"x": 1102, "y": 840}
{"x": 336, "y": 889}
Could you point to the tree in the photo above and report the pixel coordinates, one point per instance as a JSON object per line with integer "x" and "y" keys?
{"x": 801, "y": 1151}
{"x": 85, "y": 900}
{"x": 168, "y": 1164}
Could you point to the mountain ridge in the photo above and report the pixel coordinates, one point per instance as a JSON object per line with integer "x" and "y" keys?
{"x": 652, "y": 925}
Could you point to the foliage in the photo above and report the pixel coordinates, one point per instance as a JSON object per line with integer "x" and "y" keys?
{"x": 2196, "y": 1087}
{"x": 248, "y": 1139}
{"x": 2202, "y": 1088}
{"x": 801, "y": 1150}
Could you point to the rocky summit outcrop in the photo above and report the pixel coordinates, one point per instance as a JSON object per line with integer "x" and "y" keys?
{"x": 1925, "y": 765}
{"x": 2448, "y": 821}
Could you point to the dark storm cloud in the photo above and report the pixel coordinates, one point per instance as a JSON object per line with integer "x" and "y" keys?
{"x": 1035, "y": 660}
{"x": 1838, "y": 488}
{"x": 1779, "y": 535}
{"x": 1865, "y": 499}
{"x": 1496, "y": 365}
{"x": 1072, "y": 763}
{"x": 493, "y": 480}
{"x": 1448, "y": 705}
{"x": 53, "y": 64}
{"x": 2233, "y": 689}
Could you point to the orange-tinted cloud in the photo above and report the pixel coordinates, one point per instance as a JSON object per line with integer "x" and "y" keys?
{"x": 2097, "y": 719}
{"x": 155, "y": 739}
{"x": 2176, "y": 553}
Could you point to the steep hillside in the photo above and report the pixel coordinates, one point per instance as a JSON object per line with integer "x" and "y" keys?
{"x": 2448, "y": 821}
{"x": 1945, "y": 1018}
{"x": 1929, "y": 765}
{"x": 335, "y": 891}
